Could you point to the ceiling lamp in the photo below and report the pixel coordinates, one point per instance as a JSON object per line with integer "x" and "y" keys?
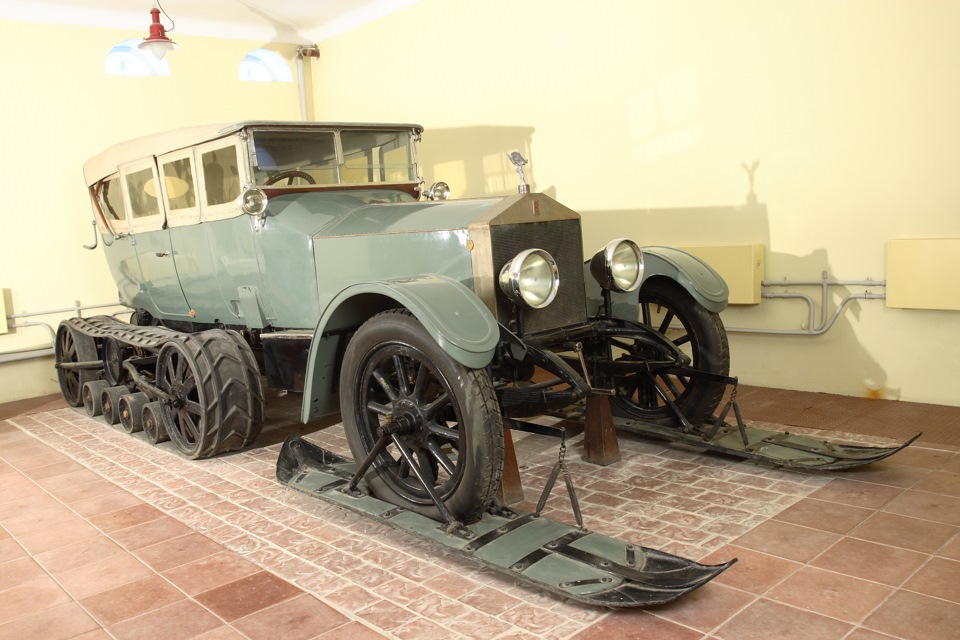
{"x": 157, "y": 42}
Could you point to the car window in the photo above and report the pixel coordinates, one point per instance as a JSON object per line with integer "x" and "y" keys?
{"x": 178, "y": 180}
{"x": 377, "y": 156}
{"x": 311, "y": 152}
{"x": 221, "y": 175}
{"x": 112, "y": 198}
{"x": 142, "y": 193}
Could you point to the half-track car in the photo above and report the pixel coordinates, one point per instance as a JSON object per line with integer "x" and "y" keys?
{"x": 312, "y": 256}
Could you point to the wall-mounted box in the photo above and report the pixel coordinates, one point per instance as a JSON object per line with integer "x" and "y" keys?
{"x": 923, "y": 273}
{"x": 741, "y": 265}
{"x": 3, "y": 311}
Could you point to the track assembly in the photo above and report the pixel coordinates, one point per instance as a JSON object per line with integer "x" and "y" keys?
{"x": 563, "y": 559}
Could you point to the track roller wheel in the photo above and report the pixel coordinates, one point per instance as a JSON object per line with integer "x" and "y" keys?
{"x": 110, "y": 401}
{"x": 73, "y": 347}
{"x": 152, "y": 422}
{"x": 216, "y": 400}
{"x": 131, "y": 409}
{"x": 91, "y": 397}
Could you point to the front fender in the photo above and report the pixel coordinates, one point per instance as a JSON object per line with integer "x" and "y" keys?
{"x": 451, "y": 313}
{"x": 692, "y": 273}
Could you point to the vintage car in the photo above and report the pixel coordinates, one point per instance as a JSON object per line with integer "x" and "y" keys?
{"x": 314, "y": 257}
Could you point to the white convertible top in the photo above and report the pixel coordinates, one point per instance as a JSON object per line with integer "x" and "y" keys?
{"x": 106, "y": 162}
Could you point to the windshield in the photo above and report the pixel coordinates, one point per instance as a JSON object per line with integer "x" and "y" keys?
{"x": 306, "y": 157}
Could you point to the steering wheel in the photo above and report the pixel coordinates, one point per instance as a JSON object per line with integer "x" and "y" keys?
{"x": 290, "y": 175}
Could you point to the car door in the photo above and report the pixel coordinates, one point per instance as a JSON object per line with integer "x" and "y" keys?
{"x": 152, "y": 240}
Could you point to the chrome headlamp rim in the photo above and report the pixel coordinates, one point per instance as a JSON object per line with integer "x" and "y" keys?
{"x": 253, "y": 201}
{"x": 438, "y": 191}
{"x": 517, "y": 287}
{"x": 611, "y": 272}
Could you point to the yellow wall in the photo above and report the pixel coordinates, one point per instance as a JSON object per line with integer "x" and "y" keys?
{"x": 58, "y": 109}
{"x": 641, "y": 114}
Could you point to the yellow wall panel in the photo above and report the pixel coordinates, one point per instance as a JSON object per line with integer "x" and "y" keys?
{"x": 742, "y": 266}
{"x": 922, "y": 273}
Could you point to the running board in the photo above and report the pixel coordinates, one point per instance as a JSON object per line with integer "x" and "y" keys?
{"x": 563, "y": 559}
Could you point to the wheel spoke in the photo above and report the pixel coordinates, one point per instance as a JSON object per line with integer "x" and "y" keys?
{"x": 667, "y": 319}
{"x": 420, "y": 386}
{"x": 401, "y": 369}
{"x": 379, "y": 409}
{"x": 684, "y": 339}
{"x": 438, "y": 403}
{"x": 434, "y": 449}
{"x": 444, "y": 432}
{"x": 385, "y": 385}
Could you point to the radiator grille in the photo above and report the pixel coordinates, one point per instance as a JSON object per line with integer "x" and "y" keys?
{"x": 562, "y": 239}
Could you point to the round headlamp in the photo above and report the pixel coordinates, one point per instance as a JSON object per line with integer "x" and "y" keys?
{"x": 438, "y": 191}
{"x": 253, "y": 201}
{"x": 531, "y": 279}
{"x": 618, "y": 266}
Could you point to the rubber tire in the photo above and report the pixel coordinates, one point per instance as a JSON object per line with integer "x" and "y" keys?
{"x": 708, "y": 348}
{"x": 219, "y": 399}
{"x": 73, "y": 346}
{"x": 154, "y": 423}
{"x": 478, "y": 474}
{"x": 131, "y": 411}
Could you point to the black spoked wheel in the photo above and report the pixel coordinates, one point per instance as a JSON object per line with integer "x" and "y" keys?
{"x": 699, "y": 333}
{"x": 114, "y": 353}
{"x": 216, "y": 404}
{"x": 71, "y": 348}
{"x": 448, "y": 432}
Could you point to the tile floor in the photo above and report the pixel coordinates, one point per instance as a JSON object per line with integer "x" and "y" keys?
{"x": 104, "y": 536}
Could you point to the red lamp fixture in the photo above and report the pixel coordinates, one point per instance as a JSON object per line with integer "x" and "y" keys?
{"x": 157, "y": 42}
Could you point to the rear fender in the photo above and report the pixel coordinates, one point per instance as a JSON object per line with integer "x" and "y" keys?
{"x": 451, "y": 313}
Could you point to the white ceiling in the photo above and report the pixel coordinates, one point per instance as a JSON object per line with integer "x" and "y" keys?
{"x": 293, "y": 21}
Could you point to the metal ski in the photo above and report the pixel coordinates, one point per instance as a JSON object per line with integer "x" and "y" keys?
{"x": 566, "y": 560}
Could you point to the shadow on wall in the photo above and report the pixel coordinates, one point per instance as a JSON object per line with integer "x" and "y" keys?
{"x": 834, "y": 361}
{"x": 473, "y": 160}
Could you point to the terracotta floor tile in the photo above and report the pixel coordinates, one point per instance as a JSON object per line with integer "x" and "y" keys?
{"x": 764, "y": 620}
{"x": 177, "y": 551}
{"x": 925, "y": 458}
{"x": 830, "y": 594}
{"x": 825, "y": 516}
{"x": 59, "y": 622}
{"x": 183, "y": 619}
{"x": 866, "y": 634}
{"x": 386, "y": 615}
{"x": 130, "y": 600}
{"x": 222, "y": 633}
{"x": 79, "y": 492}
{"x": 41, "y": 519}
{"x": 100, "y": 576}
{"x": 928, "y": 506}
{"x": 10, "y": 550}
{"x": 30, "y": 597}
{"x": 636, "y": 624}
{"x": 351, "y": 631}
{"x": 247, "y": 595}
{"x": 19, "y": 571}
{"x": 299, "y": 618}
{"x": 106, "y": 503}
{"x": 81, "y": 553}
{"x": 754, "y": 571}
{"x": 905, "y": 532}
{"x": 76, "y": 478}
{"x": 705, "y": 608}
{"x": 939, "y": 578}
{"x": 787, "y": 540}
{"x": 51, "y": 466}
{"x": 859, "y": 494}
{"x": 912, "y": 616}
{"x": 14, "y": 453}
{"x": 57, "y": 536}
{"x": 885, "y": 473}
{"x": 945, "y": 482}
{"x": 210, "y": 572}
{"x": 22, "y": 497}
{"x": 126, "y": 517}
{"x": 148, "y": 533}
{"x": 870, "y": 561}
{"x": 951, "y": 549}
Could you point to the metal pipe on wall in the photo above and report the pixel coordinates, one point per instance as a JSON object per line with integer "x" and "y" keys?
{"x": 304, "y": 52}
{"x": 824, "y": 283}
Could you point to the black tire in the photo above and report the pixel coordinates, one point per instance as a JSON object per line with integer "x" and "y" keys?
{"x": 667, "y": 307}
{"x": 72, "y": 347}
{"x": 217, "y": 402}
{"x": 131, "y": 411}
{"x": 393, "y": 369}
{"x": 154, "y": 423}
{"x": 91, "y": 395}
{"x": 110, "y": 403}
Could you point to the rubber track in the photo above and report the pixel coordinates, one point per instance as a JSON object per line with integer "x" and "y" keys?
{"x": 108, "y": 327}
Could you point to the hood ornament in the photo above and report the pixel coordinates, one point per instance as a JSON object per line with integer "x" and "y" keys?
{"x": 518, "y": 161}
